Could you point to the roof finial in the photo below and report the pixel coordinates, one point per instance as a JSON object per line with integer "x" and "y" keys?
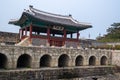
{"x": 31, "y": 6}
{"x": 70, "y": 15}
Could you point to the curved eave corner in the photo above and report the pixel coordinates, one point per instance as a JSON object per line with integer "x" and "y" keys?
{"x": 13, "y": 22}
{"x": 85, "y": 27}
{"x": 19, "y": 21}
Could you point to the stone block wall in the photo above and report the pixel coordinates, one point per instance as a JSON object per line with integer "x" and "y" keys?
{"x": 39, "y": 42}
{"x": 116, "y": 57}
{"x": 71, "y": 44}
{"x": 53, "y": 56}
{"x": 9, "y": 38}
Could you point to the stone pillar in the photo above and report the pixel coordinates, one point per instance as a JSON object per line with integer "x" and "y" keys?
{"x": 12, "y": 61}
{"x": 98, "y": 59}
{"x": 35, "y": 64}
{"x": 54, "y": 62}
{"x": 14, "y": 64}
{"x": 85, "y": 62}
{"x": 35, "y": 61}
{"x": 71, "y": 63}
{"x": 97, "y": 62}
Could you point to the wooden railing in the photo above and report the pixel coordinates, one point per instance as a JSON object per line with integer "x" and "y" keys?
{"x": 56, "y": 42}
{"x": 39, "y": 36}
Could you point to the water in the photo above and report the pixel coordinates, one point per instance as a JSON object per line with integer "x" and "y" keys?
{"x": 115, "y": 76}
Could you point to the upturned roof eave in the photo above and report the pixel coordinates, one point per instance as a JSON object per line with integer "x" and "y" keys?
{"x": 17, "y": 22}
{"x": 20, "y": 21}
{"x": 55, "y": 23}
{"x": 31, "y": 15}
{"x": 76, "y": 23}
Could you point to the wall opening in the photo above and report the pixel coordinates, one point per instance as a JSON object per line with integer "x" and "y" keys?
{"x": 103, "y": 60}
{"x": 3, "y": 61}
{"x": 45, "y": 61}
{"x": 24, "y": 61}
{"x": 92, "y": 60}
{"x": 79, "y": 61}
{"x": 63, "y": 61}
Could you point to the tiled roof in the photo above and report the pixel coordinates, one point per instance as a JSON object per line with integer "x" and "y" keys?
{"x": 52, "y": 18}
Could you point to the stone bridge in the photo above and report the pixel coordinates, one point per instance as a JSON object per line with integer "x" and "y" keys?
{"x": 12, "y": 57}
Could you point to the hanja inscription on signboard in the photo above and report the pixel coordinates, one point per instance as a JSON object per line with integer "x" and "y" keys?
{"x": 58, "y": 28}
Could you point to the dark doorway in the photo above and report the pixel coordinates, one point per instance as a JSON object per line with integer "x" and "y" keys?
{"x": 63, "y": 61}
{"x": 24, "y": 61}
{"x": 103, "y": 60}
{"x": 3, "y": 61}
{"x": 92, "y": 60}
{"x": 79, "y": 61}
{"x": 45, "y": 61}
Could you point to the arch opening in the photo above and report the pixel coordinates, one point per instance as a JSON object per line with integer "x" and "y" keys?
{"x": 24, "y": 61}
{"x": 63, "y": 61}
{"x": 3, "y": 61}
{"x": 92, "y": 60}
{"x": 45, "y": 61}
{"x": 79, "y": 61}
{"x": 103, "y": 60}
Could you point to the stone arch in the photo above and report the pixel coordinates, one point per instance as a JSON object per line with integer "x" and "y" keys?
{"x": 24, "y": 61}
{"x": 92, "y": 60}
{"x": 3, "y": 61}
{"x": 45, "y": 61}
{"x": 79, "y": 60}
{"x": 103, "y": 60}
{"x": 63, "y": 61}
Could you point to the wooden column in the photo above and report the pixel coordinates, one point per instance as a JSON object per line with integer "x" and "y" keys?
{"x": 26, "y": 31}
{"x": 64, "y": 36}
{"x": 78, "y": 35}
{"x": 71, "y": 35}
{"x": 78, "y": 38}
{"x": 53, "y": 34}
{"x": 30, "y": 28}
{"x": 20, "y": 34}
{"x": 48, "y": 34}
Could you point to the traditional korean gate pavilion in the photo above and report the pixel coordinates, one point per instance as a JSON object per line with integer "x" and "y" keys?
{"x": 43, "y": 28}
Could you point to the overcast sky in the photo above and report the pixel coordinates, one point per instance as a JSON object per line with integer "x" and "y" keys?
{"x": 100, "y": 13}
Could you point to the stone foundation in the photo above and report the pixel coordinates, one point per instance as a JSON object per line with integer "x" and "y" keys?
{"x": 74, "y": 73}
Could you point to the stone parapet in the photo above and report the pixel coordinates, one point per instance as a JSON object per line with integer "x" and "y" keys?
{"x": 55, "y": 56}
